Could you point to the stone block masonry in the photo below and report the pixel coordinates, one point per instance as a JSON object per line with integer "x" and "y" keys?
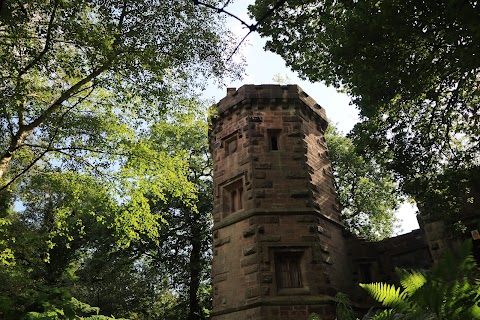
{"x": 279, "y": 250}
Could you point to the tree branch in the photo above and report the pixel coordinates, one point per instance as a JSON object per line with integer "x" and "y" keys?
{"x": 76, "y": 88}
{"x": 251, "y": 27}
{"x": 47, "y": 148}
{"x": 47, "y": 41}
{"x": 222, "y": 10}
{"x": 77, "y": 158}
{"x": 73, "y": 89}
{"x": 31, "y": 164}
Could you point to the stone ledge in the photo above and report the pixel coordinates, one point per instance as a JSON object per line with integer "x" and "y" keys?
{"x": 221, "y": 242}
{"x": 286, "y": 300}
{"x": 239, "y": 216}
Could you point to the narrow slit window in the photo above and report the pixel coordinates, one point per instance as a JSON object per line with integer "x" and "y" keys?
{"x": 233, "y": 200}
{"x": 274, "y": 139}
{"x": 274, "y": 143}
{"x": 240, "y": 198}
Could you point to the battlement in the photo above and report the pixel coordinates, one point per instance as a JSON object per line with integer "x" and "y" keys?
{"x": 272, "y": 96}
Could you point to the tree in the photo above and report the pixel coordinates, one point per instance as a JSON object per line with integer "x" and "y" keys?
{"x": 77, "y": 76}
{"x": 63, "y": 216}
{"x": 84, "y": 85}
{"x": 70, "y": 240}
{"x": 410, "y": 67}
{"x": 367, "y": 193}
{"x": 166, "y": 276}
{"x": 184, "y": 247}
{"x": 81, "y": 84}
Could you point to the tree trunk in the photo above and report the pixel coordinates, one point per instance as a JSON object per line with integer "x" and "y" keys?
{"x": 4, "y": 162}
{"x": 194, "y": 312}
{"x": 16, "y": 141}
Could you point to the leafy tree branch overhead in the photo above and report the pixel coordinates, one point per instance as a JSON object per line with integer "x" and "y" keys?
{"x": 252, "y": 27}
{"x": 86, "y": 87}
{"x": 74, "y": 72}
{"x": 411, "y": 67}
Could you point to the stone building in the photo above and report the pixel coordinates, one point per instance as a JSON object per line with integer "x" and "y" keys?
{"x": 280, "y": 250}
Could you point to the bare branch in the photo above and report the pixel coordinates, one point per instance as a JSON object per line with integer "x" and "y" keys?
{"x": 226, "y": 4}
{"x": 92, "y": 150}
{"x": 238, "y": 46}
{"x": 222, "y": 10}
{"x": 251, "y": 27}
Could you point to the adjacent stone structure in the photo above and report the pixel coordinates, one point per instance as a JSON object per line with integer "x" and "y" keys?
{"x": 280, "y": 250}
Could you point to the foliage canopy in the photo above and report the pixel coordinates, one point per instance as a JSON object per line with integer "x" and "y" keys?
{"x": 100, "y": 154}
{"x": 367, "y": 192}
{"x": 411, "y": 67}
{"x": 80, "y": 77}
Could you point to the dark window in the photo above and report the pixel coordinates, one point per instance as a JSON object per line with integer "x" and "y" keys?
{"x": 366, "y": 272}
{"x": 287, "y": 269}
{"x": 274, "y": 139}
{"x": 274, "y": 143}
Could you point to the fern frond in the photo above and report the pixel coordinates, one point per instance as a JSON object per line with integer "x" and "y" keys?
{"x": 388, "y": 314}
{"x": 411, "y": 280}
{"x": 475, "y": 310}
{"x": 466, "y": 305}
{"x": 387, "y": 295}
{"x": 344, "y": 308}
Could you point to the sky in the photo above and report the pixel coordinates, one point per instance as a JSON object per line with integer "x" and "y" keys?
{"x": 262, "y": 67}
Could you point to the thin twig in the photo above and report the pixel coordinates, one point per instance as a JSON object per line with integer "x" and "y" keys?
{"x": 221, "y": 10}
{"x": 78, "y": 159}
{"x": 251, "y": 27}
{"x": 238, "y": 46}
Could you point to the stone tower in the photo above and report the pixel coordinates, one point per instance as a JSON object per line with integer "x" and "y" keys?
{"x": 278, "y": 247}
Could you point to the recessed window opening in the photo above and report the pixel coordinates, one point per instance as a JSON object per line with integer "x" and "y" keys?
{"x": 233, "y": 197}
{"x": 230, "y": 144}
{"x": 274, "y": 139}
{"x": 236, "y": 199}
{"x": 366, "y": 273}
{"x": 274, "y": 143}
{"x": 287, "y": 269}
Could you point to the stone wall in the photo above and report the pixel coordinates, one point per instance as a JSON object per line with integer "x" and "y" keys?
{"x": 377, "y": 261}
{"x": 275, "y": 209}
{"x": 268, "y": 148}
